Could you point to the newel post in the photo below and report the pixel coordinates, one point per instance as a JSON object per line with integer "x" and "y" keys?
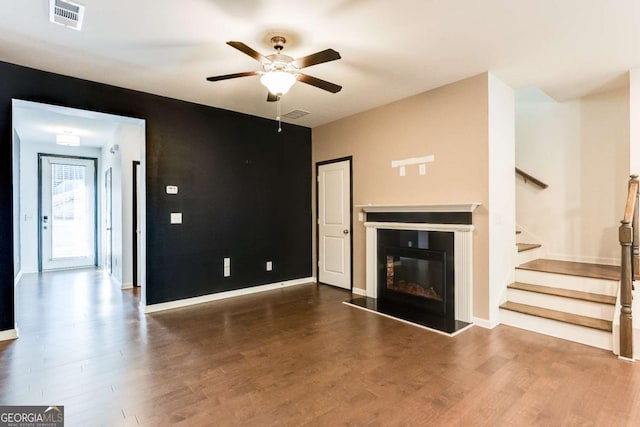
{"x": 635, "y": 260}
{"x": 625, "y": 233}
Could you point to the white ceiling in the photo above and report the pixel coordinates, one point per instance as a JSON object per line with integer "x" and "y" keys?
{"x": 36, "y": 123}
{"x": 40, "y": 123}
{"x": 390, "y": 49}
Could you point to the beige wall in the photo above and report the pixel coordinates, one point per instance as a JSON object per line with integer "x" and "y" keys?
{"x": 451, "y": 123}
{"x": 581, "y": 149}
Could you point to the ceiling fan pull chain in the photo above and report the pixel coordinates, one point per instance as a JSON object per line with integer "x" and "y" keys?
{"x": 278, "y": 114}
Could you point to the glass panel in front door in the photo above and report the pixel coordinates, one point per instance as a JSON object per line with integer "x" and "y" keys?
{"x": 70, "y": 225}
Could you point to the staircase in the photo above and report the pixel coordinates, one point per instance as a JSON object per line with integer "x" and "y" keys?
{"x": 570, "y": 300}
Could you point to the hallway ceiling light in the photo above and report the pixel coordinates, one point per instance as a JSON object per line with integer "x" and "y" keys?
{"x": 68, "y": 139}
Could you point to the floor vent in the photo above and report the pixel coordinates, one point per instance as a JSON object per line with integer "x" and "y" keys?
{"x": 66, "y": 13}
{"x": 296, "y": 114}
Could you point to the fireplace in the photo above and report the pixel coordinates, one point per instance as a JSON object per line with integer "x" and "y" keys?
{"x": 419, "y": 264}
{"x": 416, "y": 269}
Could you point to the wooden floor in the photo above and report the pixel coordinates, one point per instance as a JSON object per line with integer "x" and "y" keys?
{"x": 295, "y": 356}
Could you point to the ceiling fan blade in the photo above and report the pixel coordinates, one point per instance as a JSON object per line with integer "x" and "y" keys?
{"x": 249, "y": 51}
{"x": 319, "y": 83}
{"x": 317, "y": 58}
{"x": 232, "y": 76}
{"x": 271, "y": 97}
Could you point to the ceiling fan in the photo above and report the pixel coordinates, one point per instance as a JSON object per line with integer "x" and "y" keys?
{"x": 280, "y": 71}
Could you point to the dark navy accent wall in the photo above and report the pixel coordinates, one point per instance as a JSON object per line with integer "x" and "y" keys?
{"x": 244, "y": 189}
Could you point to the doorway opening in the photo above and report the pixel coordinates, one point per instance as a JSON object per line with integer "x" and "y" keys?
{"x": 52, "y": 180}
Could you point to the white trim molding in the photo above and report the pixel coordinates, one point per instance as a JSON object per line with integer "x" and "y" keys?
{"x": 463, "y": 261}
{"x": 153, "y": 308}
{"x": 484, "y": 323}
{"x": 9, "y": 334}
{"x": 359, "y": 291}
{"x": 438, "y": 207}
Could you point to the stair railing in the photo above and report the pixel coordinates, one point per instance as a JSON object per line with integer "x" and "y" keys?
{"x": 629, "y": 236}
{"x": 527, "y": 177}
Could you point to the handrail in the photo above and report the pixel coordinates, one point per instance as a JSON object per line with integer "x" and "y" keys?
{"x": 531, "y": 178}
{"x": 628, "y": 235}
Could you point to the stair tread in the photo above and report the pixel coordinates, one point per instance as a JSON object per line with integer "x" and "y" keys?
{"x": 527, "y": 246}
{"x": 565, "y": 293}
{"x": 595, "y": 271}
{"x": 575, "y": 319}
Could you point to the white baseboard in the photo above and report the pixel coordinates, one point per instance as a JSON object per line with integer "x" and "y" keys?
{"x": 153, "y": 308}
{"x": 9, "y": 334}
{"x": 358, "y": 291}
{"x": 484, "y": 323}
{"x": 128, "y": 285}
{"x": 17, "y": 278}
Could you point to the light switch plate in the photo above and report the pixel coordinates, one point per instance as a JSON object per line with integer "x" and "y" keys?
{"x": 176, "y": 217}
{"x": 269, "y": 265}
{"x": 172, "y": 189}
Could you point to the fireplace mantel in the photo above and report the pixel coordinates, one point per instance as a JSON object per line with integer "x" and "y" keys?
{"x": 437, "y": 207}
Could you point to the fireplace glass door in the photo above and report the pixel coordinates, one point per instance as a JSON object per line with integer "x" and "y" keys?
{"x": 415, "y": 276}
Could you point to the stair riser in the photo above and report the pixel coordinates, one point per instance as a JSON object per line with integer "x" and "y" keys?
{"x": 529, "y": 255}
{"x": 567, "y": 305}
{"x": 580, "y": 334}
{"x": 584, "y": 284}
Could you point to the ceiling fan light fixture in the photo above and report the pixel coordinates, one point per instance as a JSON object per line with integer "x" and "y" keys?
{"x": 278, "y": 82}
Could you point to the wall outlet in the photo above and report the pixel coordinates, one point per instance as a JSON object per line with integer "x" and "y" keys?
{"x": 269, "y": 265}
{"x": 176, "y": 217}
{"x": 226, "y": 270}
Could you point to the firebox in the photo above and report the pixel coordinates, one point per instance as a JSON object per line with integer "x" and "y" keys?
{"x": 416, "y": 270}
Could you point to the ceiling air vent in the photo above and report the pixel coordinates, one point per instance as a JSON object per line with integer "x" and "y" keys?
{"x": 66, "y": 13}
{"x": 296, "y": 114}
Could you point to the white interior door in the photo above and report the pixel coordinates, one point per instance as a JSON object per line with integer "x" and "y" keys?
{"x": 68, "y": 218}
{"x": 334, "y": 224}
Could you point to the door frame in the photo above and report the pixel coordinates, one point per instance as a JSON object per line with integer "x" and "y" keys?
{"x": 134, "y": 228}
{"x": 95, "y": 203}
{"x": 108, "y": 219}
{"x": 317, "y": 221}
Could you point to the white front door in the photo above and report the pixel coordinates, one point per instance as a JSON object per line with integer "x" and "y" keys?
{"x": 334, "y": 224}
{"x": 68, "y": 219}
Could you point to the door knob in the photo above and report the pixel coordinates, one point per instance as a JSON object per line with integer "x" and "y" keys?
{"x": 345, "y": 231}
